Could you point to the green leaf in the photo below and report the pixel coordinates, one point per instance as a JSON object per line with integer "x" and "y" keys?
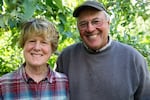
{"x": 59, "y": 4}
{"x": 29, "y": 8}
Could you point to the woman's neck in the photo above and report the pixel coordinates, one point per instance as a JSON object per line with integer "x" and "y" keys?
{"x": 37, "y": 73}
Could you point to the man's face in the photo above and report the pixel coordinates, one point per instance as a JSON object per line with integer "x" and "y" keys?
{"x": 93, "y": 28}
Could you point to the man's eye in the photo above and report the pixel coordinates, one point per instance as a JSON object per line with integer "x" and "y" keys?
{"x": 96, "y": 22}
{"x": 83, "y": 24}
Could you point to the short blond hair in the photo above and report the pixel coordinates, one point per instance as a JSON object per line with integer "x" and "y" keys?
{"x": 40, "y": 27}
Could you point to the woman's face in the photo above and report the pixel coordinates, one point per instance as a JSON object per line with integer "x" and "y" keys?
{"x": 37, "y": 51}
{"x": 93, "y": 28}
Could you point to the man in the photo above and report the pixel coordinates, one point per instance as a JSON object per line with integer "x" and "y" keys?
{"x": 100, "y": 68}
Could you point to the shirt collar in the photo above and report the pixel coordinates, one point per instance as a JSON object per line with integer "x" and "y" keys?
{"x": 101, "y": 49}
{"x": 49, "y": 76}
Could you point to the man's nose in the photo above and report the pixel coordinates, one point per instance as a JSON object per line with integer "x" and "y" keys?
{"x": 90, "y": 27}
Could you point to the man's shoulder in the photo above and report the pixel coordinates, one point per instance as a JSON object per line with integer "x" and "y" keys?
{"x": 126, "y": 48}
{"x": 123, "y": 45}
{"x": 72, "y": 47}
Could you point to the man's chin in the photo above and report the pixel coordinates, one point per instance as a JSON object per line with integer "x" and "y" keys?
{"x": 94, "y": 47}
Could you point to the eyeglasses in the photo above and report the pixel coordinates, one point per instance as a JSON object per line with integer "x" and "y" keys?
{"x": 95, "y": 22}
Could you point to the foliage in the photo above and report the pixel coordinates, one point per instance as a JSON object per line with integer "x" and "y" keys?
{"x": 129, "y": 24}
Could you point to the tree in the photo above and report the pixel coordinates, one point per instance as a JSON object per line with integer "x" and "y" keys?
{"x": 130, "y": 24}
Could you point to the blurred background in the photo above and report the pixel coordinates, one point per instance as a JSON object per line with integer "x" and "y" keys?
{"x": 130, "y": 23}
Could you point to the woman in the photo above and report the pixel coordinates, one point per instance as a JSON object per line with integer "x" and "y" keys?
{"x": 34, "y": 80}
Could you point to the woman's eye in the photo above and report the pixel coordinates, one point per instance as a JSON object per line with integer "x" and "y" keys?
{"x": 31, "y": 41}
{"x": 44, "y": 42}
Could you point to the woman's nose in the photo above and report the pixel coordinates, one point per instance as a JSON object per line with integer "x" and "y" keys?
{"x": 37, "y": 46}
